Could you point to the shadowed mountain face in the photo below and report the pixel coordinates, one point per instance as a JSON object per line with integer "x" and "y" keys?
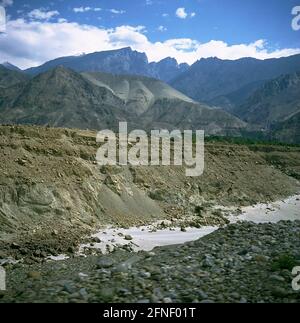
{"x": 175, "y": 113}
{"x": 274, "y": 108}
{"x": 287, "y": 130}
{"x": 212, "y": 78}
{"x": 167, "y": 69}
{"x": 10, "y": 77}
{"x": 62, "y": 97}
{"x": 276, "y": 101}
{"x": 232, "y": 100}
{"x": 122, "y": 61}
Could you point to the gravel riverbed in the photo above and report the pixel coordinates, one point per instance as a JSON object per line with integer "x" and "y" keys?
{"x": 243, "y": 262}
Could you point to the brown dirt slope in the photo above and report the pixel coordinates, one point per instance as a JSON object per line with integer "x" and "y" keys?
{"x": 52, "y": 192}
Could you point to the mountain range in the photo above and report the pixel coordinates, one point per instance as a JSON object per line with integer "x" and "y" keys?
{"x": 95, "y": 90}
{"x": 123, "y": 61}
{"x": 209, "y": 80}
{"x": 214, "y": 79}
{"x": 61, "y": 97}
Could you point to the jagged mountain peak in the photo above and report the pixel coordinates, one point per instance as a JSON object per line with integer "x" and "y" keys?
{"x": 168, "y": 60}
{"x": 117, "y": 61}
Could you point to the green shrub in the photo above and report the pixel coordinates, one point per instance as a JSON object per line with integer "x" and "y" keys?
{"x": 284, "y": 261}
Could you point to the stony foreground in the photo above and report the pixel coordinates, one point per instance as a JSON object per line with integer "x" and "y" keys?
{"x": 241, "y": 263}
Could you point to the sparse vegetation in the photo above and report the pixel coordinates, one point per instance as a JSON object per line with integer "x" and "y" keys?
{"x": 284, "y": 261}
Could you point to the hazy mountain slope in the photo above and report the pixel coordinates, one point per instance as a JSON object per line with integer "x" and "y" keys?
{"x": 288, "y": 130}
{"x": 275, "y": 101}
{"x": 60, "y": 97}
{"x": 170, "y": 114}
{"x": 160, "y": 106}
{"x": 210, "y": 78}
{"x": 138, "y": 92}
{"x": 121, "y": 61}
{"x": 66, "y": 61}
{"x": 167, "y": 69}
{"x": 230, "y": 101}
{"x": 10, "y": 77}
{"x": 115, "y": 61}
{"x": 10, "y": 66}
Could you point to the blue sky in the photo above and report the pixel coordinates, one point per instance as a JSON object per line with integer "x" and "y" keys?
{"x": 184, "y": 29}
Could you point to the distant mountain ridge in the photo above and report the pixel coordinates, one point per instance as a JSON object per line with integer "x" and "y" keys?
{"x": 264, "y": 94}
{"x": 212, "y": 78}
{"x": 10, "y": 66}
{"x": 223, "y": 83}
{"x": 121, "y": 61}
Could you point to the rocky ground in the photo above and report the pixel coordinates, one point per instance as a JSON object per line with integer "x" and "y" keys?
{"x": 241, "y": 263}
{"x": 53, "y": 193}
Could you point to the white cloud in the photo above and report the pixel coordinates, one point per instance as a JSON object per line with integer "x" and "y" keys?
{"x": 162, "y": 28}
{"x": 86, "y": 9}
{"x": 184, "y": 44}
{"x": 117, "y": 12}
{"x": 181, "y": 13}
{"x": 6, "y": 3}
{"x": 124, "y": 36}
{"x": 31, "y": 43}
{"x": 165, "y": 15}
{"x": 42, "y": 14}
{"x": 62, "y": 20}
{"x": 82, "y": 9}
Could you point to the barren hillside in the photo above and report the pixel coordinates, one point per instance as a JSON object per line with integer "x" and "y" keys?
{"x": 52, "y": 192}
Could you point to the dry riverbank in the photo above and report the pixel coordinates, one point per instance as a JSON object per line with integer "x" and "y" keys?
{"x": 52, "y": 193}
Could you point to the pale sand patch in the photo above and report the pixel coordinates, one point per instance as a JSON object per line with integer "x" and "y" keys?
{"x": 288, "y": 209}
{"x": 143, "y": 238}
